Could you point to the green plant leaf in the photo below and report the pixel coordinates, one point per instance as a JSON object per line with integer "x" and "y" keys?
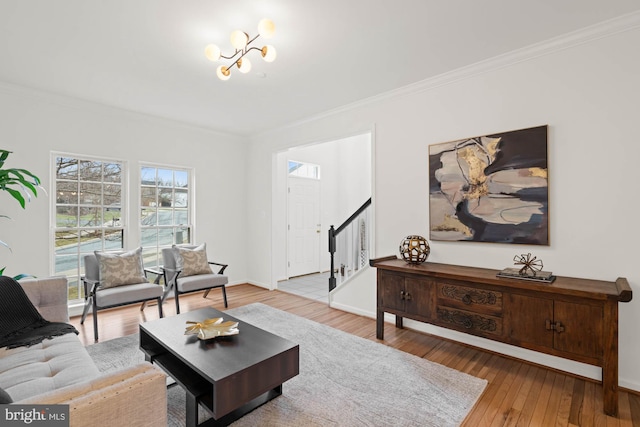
{"x": 17, "y": 195}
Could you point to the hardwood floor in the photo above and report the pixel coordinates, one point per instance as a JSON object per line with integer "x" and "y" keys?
{"x": 518, "y": 393}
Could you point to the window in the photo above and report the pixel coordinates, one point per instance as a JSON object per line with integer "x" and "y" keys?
{"x": 165, "y": 211}
{"x": 88, "y": 214}
{"x": 304, "y": 170}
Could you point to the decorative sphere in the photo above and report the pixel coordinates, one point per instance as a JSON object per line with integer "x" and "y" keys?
{"x": 414, "y": 249}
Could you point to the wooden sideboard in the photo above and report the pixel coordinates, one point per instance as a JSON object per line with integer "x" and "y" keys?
{"x": 572, "y": 318}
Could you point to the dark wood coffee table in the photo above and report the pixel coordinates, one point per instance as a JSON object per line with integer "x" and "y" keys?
{"x": 231, "y": 376}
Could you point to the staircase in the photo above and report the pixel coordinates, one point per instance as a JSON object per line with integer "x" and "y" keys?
{"x": 349, "y": 245}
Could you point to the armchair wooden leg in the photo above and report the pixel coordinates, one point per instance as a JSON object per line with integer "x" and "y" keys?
{"x": 224, "y": 294}
{"x": 206, "y": 293}
{"x": 88, "y": 303}
{"x": 95, "y": 322}
{"x": 167, "y": 289}
{"x": 160, "y": 307}
{"x": 177, "y": 301}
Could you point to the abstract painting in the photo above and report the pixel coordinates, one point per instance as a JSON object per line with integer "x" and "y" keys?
{"x": 491, "y": 188}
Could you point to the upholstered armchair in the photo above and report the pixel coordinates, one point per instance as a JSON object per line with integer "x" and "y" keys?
{"x": 115, "y": 279}
{"x": 187, "y": 269}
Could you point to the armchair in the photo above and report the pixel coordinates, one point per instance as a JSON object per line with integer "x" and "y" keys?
{"x": 116, "y": 279}
{"x": 187, "y": 269}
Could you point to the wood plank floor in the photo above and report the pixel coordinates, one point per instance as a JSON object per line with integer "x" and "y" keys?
{"x": 518, "y": 393}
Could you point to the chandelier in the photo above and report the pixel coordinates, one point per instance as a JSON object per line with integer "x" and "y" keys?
{"x": 241, "y": 41}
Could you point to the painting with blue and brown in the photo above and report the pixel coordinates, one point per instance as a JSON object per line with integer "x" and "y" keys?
{"x": 491, "y": 188}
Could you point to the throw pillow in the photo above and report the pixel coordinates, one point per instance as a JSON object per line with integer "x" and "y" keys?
{"x": 192, "y": 261}
{"x": 117, "y": 269}
{"x": 4, "y": 397}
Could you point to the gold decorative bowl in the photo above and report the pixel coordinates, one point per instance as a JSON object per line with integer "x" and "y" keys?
{"x": 212, "y": 328}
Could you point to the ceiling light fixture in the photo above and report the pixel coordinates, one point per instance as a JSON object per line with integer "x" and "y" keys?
{"x": 241, "y": 41}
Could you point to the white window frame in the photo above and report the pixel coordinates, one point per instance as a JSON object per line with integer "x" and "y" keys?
{"x": 190, "y": 214}
{"x": 75, "y": 277}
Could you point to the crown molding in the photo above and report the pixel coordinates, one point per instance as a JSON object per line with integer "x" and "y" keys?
{"x": 67, "y": 101}
{"x": 585, "y": 35}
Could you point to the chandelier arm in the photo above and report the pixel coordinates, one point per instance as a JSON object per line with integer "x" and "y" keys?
{"x": 253, "y": 39}
{"x": 252, "y": 48}
{"x": 232, "y": 56}
{"x": 236, "y": 61}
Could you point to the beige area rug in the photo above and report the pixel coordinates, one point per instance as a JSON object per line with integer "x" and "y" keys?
{"x": 344, "y": 380}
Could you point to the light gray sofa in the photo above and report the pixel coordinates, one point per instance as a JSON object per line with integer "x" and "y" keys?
{"x": 60, "y": 371}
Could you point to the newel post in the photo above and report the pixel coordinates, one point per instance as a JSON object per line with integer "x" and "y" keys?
{"x": 332, "y": 250}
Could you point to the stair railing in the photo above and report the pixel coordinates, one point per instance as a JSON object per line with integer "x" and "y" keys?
{"x": 351, "y": 241}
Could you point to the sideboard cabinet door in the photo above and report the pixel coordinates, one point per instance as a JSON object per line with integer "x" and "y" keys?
{"x": 582, "y": 329}
{"x": 559, "y": 326}
{"x": 391, "y": 291}
{"x": 527, "y": 317}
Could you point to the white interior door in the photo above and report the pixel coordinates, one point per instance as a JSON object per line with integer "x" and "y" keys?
{"x": 304, "y": 226}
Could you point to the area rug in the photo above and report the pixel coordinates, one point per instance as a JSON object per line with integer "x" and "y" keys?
{"x": 344, "y": 380}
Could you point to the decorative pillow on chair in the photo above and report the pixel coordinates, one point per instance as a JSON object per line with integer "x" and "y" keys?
{"x": 192, "y": 261}
{"x": 117, "y": 269}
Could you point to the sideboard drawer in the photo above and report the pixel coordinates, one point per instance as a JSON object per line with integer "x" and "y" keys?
{"x": 470, "y": 299}
{"x": 470, "y": 322}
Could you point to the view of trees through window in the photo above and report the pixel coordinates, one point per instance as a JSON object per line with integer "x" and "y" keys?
{"x": 164, "y": 211}
{"x": 88, "y": 215}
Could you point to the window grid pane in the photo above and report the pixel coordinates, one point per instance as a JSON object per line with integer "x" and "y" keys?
{"x": 88, "y": 215}
{"x": 164, "y": 211}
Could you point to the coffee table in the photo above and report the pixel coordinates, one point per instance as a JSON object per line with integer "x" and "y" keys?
{"x": 231, "y": 376}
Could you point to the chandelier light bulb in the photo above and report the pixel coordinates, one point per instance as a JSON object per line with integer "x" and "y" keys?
{"x": 212, "y": 52}
{"x": 268, "y": 53}
{"x": 266, "y": 28}
{"x": 223, "y": 73}
{"x": 239, "y": 39}
{"x": 244, "y": 65}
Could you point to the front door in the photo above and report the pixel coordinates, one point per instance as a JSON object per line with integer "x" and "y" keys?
{"x": 304, "y": 226}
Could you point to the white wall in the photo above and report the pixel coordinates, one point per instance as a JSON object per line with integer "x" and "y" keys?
{"x": 32, "y": 125}
{"x": 586, "y": 91}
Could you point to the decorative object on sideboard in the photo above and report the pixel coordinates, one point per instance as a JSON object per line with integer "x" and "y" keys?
{"x": 240, "y": 42}
{"x": 414, "y": 249}
{"x": 212, "y": 328}
{"x": 490, "y": 188}
{"x": 531, "y": 269}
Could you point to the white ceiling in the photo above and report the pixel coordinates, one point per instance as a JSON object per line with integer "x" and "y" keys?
{"x": 148, "y": 55}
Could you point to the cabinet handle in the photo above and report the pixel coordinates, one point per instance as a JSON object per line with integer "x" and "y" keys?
{"x": 402, "y": 295}
{"x": 408, "y": 296}
{"x": 467, "y": 299}
{"x": 554, "y": 326}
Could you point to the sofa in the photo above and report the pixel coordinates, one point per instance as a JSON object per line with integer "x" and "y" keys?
{"x": 60, "y": 371}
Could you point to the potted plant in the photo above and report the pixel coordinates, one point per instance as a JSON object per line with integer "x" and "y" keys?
{"x": 19, "y": 183}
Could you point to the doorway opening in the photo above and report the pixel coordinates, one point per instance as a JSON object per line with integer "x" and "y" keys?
{"x": 330, "y": 180}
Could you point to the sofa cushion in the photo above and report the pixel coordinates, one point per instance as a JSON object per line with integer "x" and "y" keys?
{"x": 49, "y": 365}
{"x": 118, "y": 269}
